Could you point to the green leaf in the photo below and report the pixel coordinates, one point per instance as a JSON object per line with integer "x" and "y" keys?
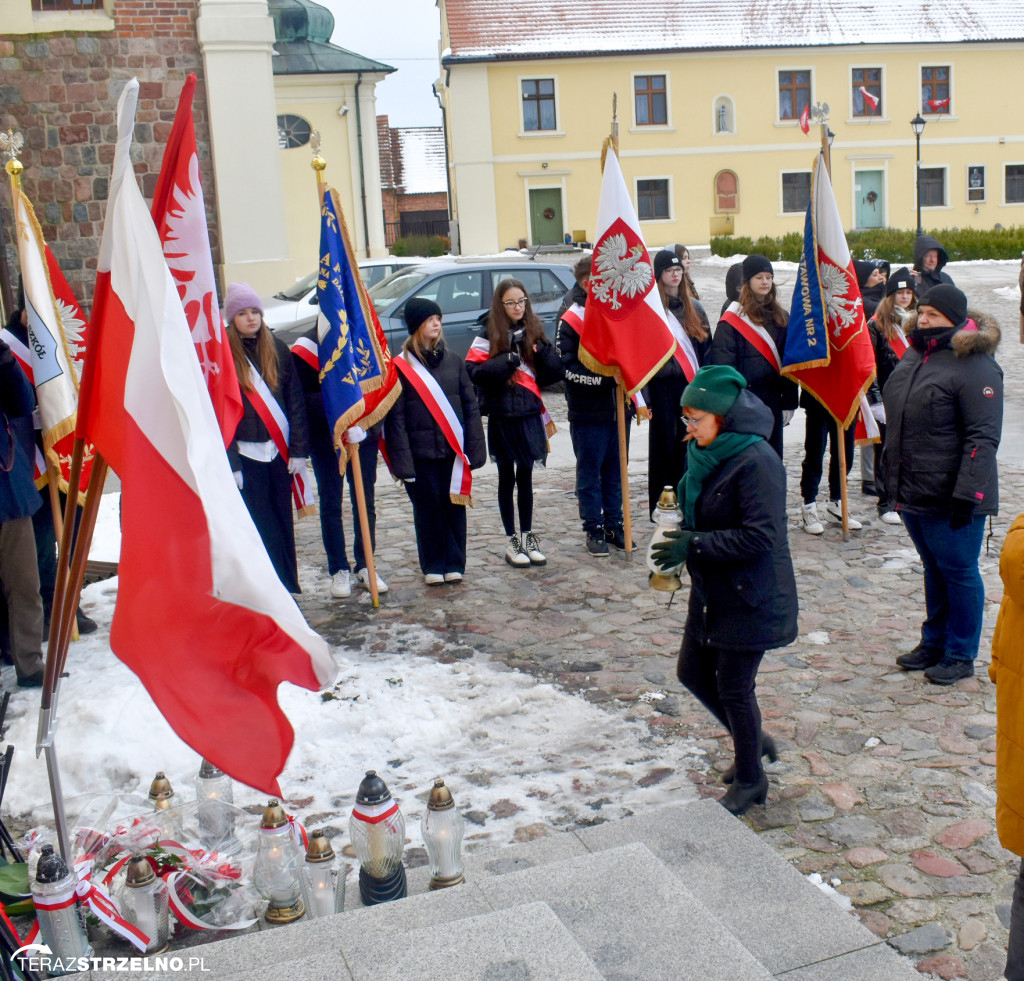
{"x": 14, "y": 880}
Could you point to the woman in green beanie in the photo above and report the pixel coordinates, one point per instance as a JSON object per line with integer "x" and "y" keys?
{"x": 734, "y": 542}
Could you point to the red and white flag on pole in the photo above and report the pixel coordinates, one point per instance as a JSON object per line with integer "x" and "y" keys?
{"x": 201, "y": 616}
{"x": 871, "y": 100}
{"x": 179, "y": 214}
{"x": 805, "y": 119}
{"x": 625, "y": 325}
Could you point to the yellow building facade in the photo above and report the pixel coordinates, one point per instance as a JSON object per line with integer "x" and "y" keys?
{"x": 711, "y": 141}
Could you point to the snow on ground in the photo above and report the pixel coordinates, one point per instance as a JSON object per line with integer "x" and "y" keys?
{"x": 496, "y": 736}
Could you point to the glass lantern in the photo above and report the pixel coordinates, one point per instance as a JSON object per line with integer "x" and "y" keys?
{"x": 166, "y": 817}
{"x": 442, "y": 829}
{"x": 60, "y": 924}
{"x": 325, "y": 885}
{"x": 668, "y": 518}
{"x": 377, "y": 831}
{"x": 144, "y": 903}
{"x": 278, "y": 871}
{"x": 214, "y": 790}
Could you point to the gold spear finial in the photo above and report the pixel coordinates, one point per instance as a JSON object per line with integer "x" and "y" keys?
{"x": 10, "y": 146}
{"x": 319, "y": 164}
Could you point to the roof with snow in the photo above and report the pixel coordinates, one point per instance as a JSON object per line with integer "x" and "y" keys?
{"x": 419, "y": 163}
{"x": 495, "y": 30}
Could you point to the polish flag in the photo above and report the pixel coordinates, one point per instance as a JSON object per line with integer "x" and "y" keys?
{"x": 201, "y": 616}
{"x": 937, "y": 105}
{"x": 179, "y": 214}
{"x": 871, "y": 100}
{"x": 625, "y": 325}
{"x": 805, "y": 120}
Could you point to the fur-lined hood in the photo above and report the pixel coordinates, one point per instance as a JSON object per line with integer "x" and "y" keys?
{"x": 983, "y": 340}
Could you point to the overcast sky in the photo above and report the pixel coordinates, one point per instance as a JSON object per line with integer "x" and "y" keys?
{"x": 400, "y": 33}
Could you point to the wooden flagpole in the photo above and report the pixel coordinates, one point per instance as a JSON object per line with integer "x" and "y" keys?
{"x": 351, "y": 450}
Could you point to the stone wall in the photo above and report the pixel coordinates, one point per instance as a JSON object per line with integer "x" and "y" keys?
{"x": 61, "y": 91}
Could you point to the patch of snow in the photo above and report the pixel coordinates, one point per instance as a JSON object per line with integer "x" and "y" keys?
{"x": 817, "y": 637}
{"x": 843, "y": 902}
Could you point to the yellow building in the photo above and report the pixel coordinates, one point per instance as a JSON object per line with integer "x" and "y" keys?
{"x": 710, "y": 95}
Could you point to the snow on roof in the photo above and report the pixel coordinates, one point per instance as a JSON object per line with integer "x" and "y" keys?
{"x": 497, "y": 29}
{"x": 420, "y": 166}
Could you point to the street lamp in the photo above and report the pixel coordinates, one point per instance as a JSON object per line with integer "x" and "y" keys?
{"x": 917, "y": 125}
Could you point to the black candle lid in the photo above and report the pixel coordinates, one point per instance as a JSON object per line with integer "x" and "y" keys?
{"x": 372, "y": 790}
{"x": 51, "y": 866}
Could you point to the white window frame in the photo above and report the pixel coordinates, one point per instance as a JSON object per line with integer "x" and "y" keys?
{"x": 945, "y": 206}
{"x": 779, "y": 121}
{"x": 967, "y": 184}
{"x": 791, "y": 170}
{"x": 532, "y": 134}
{"x": 671, "y": 197}
{"x": 936, "y": 117}
{"x": 1005, "y": 164}
{"x": 665, "y": 127}
{"x": 723, "y": 96}
{"x": 853, "y": 120}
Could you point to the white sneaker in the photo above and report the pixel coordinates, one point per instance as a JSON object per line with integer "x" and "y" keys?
{"x": 835, "y": 510}
{"x": 515, "y": 554}
{"x": 433, "y": 579}
{"x": 363, "y": 575}
{"x": 531, "y": 545}
{"x": 891, "y": 518}
{"x": 453, "y": 577}
{"x": 811, "y": 523}
{"x": 341, "y": 584}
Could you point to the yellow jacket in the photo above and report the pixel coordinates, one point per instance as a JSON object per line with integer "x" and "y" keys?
{"x": 1007, "y": 672}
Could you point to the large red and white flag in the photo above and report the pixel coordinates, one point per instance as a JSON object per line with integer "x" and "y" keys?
{"x": 201, "y": 616}
{"x": 179, "y": 214}
{"x": 625, "y": 325}
{"x": 55, "y": 342}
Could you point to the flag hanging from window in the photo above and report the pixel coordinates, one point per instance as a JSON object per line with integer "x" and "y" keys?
{"x": 937, "y": 105}
{"x": 870, "y": 99}
{"x": 805, "y": 119}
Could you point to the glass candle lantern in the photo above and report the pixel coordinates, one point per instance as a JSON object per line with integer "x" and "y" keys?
{"x": 278, "y": 871}
{"x": 377, "y": 830}
{"x": 144, "y": 903}
{"x": 442, "y": 829}
{"x": 326, "y": 887}
{"x": 668, "y": 518}
{"x": 53, "y": 892}
{"x": 214, "y": 790}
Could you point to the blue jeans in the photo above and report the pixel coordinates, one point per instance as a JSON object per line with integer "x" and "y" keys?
{"x": 954, "y": 593}
{"x": 598, "y": 481}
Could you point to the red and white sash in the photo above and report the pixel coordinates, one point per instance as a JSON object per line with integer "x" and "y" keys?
{"x": 307, "y": 349}
{"x": 684, "y": 351}
{"x": 754, "y": 334}
{"x": 480, "y": 350}
{"x": 270, "y": 411}
{"x": 425, "y": 384}
{"x": 899, "y": 342}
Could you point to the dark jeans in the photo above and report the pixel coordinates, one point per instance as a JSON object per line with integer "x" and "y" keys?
{"x": 598, "y": 481}
{"x": 1015, "y": 950}
{"x": 724, "y": 681}
{"x": 821, "y": 429}
{"x": 511, "y": 476}
{"x": 440, "y": 524}
{"x": 954, "y": 593}
{"x": 267, "y": 492}
{"x": 329, "y": 490}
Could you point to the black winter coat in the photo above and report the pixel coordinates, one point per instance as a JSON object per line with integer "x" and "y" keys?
{"x": 502, "y": 397}
{"x": 18, "y": 495}
{"x": 731, "y": 347}
{"x": 590, "y": 397}
{"x": 743, "y": 591}
{"x": 410, "y": 430}
{"x": 926, "y": 280}
{"x": 944, "y": 416}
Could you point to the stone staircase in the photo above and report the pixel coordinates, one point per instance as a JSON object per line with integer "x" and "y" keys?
{"x": 683, "y": 893}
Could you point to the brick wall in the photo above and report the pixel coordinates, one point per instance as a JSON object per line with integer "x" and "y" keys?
{"x": 407, "y": 203}
{"x": 61, "y": 91}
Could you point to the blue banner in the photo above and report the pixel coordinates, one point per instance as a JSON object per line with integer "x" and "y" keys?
{"x": 807, "y": 334}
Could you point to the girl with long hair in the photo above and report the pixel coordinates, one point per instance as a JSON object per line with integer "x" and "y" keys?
{"x": 509, "y": 362}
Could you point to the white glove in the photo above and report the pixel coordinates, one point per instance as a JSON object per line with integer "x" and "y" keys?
{"x": 787, "y": 416}
{"x": 296, "y": 464}
{"x": 237, "y": 474}
{"x": 878, "y": 411}
{"x": 355, "y": 434}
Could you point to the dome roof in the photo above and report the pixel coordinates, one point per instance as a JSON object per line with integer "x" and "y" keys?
{"x": 301, "y": 20}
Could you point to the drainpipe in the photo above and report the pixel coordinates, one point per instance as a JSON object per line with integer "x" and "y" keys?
{"x": 456, "y": 250}
{"x": 362, "y": 175}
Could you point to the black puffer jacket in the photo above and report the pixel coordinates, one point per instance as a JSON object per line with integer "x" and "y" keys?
{"x": 410, "y": 430}
{"x": 926, "y": 280}
{"x": 590, "y": 397}
{"x": 944, "y": 416}
{"x": 731, "y": 347}
{"x": 500, "y": 396}
{"x": 743, "y": 591}
{"x": 885, "y": 362}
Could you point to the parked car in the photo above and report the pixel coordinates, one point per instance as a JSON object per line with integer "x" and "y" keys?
{"x": 293, "y": 311}
{"x": 463, "y": 289}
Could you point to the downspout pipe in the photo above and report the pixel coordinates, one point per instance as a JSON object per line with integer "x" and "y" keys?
{"x": 447, "y": 162}
{"x": 362, "y": 173}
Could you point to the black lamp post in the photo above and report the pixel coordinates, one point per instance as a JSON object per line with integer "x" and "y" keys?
{"x": 917, "y": 125}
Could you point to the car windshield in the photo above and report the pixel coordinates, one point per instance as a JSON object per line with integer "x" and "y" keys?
{"x": 298, "y": 289}
{"x": 388, "y": 290}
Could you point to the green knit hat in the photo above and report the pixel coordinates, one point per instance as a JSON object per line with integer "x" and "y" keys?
{"x": 714, "y": 388}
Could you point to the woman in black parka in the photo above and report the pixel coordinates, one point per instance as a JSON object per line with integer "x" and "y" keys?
{"x": 734, "y": 542}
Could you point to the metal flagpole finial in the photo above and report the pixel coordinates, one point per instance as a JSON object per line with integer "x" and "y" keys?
{"x": 315, "y": 144}
{"x": 10, "y": 146}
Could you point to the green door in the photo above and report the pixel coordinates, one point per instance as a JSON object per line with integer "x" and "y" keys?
{"x": 546, "y": 216}
{"x": 870, "y": 185}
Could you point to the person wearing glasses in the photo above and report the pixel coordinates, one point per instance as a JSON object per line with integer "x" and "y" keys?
{"x": 509, "y": 362}
{"x": 734, "y": 542}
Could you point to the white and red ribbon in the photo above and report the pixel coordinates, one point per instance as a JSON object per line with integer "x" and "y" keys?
{"x": 375, "y": 813}
{"x": 480, "y": 350}
{"x": 755, "y": 334}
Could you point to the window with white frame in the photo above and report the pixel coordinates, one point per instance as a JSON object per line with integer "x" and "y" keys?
{"x": 975, "y": 183}
{"x": 794, "y": 92}
{"x": 650, "y": 100}
{"x": 933, "y": 187}
{"x": 796, "y": 191}
{"x": 935, "y": 93}
{"x": 867, "y": 92}
{"x": 538, "y": 105}
{"x": 652, "y": 199}
{"x": 725, "y": 115}
{"x": 1014, "y": 177}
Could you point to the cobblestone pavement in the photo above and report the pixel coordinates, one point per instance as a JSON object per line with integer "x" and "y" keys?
{"x": 884, "y": 783}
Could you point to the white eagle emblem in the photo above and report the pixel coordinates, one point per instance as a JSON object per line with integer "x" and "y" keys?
{"x": 73, "y": 330}
{"x": 620, "y": 271}
{"x": 840, "y": 307}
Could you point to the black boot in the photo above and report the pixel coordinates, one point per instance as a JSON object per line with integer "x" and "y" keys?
{"x": 86, "y": 625}
{"x": 768, "y": 748}
{"x": 919, "y": 658}
{"x": 740, "y": 797}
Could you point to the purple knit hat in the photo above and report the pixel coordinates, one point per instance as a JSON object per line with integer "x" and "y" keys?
{"x": 240, "y": 297}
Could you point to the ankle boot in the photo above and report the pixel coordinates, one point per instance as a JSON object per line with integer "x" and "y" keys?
{"x": 740, "y": 797}
{"x": 768, "y": 749}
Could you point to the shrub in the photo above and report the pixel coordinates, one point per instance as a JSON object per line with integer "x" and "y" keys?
{"x": 426, "y": 245}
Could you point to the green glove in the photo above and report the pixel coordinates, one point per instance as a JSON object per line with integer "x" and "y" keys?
{"x": 673, "y": 551}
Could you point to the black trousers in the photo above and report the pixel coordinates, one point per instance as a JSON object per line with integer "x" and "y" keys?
{"x": 666, "y": 449}
{"x": 267, "y": 492}
{"x": 821, "y": 430}
{"x": 440, "y": 525}
{"x": 724, "y": 681}
{"x": 1015, "y": 948}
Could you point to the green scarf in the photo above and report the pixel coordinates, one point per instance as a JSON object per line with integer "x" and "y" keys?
{"x": 702, "y": 461}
